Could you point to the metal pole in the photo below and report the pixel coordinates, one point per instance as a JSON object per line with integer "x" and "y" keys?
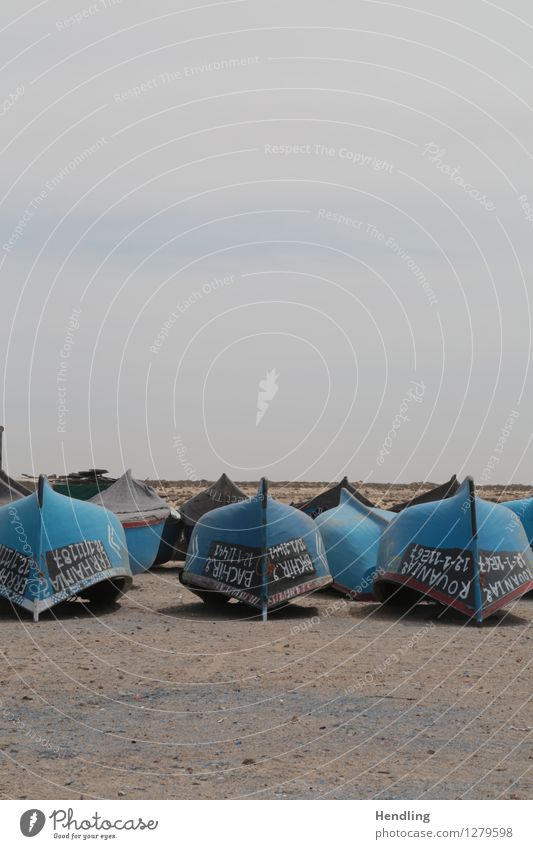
{"x": 40, "y": 490}
{"x": 1, "y": 444}
{"x": 38, "y": 556}
{"x": 475, "y": 553}
{"x": 263, "y": 489}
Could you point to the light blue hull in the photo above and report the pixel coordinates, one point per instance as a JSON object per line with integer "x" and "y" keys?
{"x": 53, "y": 548}
{"x": 142, "y": 514}
{"x": 259, "y": 551}
{"x": 352, "y": 534}
{"x": 463, "y": 552}
{"x": 523, "y": 511}
{"x": 143, "y": 544}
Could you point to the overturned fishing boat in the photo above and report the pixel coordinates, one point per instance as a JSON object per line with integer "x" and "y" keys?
{"x": 258, "y": 551}
{"x": 330, "y": 498}
{"x": 522, "y": 509}
{"x": 220, "y": 493}
{"x": 11, "y": 490}
{"x": 437, "y": 493}
{"x": 53, "y": 548}
{"x": 83, "y": 485}
{"x": 463, "y": 552}
{"x": 143, "y": 516}
{"x": 352, "y": 533}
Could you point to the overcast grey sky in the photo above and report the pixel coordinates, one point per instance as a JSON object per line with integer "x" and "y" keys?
{"x": 330, "y": 199}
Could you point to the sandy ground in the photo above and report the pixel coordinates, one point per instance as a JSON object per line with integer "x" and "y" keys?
{"x": 161, "y": 698}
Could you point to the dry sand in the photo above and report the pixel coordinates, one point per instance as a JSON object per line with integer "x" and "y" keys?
{"x": 161, "y": 698}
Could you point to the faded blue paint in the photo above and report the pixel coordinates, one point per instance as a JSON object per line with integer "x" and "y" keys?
{"x": 352, "y": 534}
{"x": 433, "y": 549}
{"x": 241, "y": 532}
{"x": 30, "y": 531}
{"x": 144, "y": 543}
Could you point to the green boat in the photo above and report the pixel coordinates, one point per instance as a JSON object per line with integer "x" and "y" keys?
{"x": 83, "y": 485}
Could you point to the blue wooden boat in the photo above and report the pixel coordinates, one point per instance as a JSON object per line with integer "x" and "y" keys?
{"x": 53, "y": 548}
{"x": 463, "y": 551}
{"x": 142, "y": 514}
{"x": 259, "y": 551}
{"x": 523, "y": 514}
{"x": 352, "y": 533}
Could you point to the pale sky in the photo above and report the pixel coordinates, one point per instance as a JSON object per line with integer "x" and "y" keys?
{"x": 328, "y": 199}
